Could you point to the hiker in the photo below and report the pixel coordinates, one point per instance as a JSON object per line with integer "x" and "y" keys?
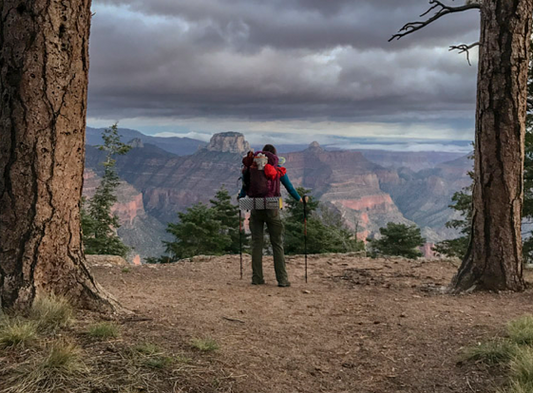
{"x": 263, "y": 183}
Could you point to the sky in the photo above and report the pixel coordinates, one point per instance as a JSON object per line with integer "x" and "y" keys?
{"x": 296, "y": 69}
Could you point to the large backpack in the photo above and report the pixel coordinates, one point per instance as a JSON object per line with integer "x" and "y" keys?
{"x": 255, "y": 183}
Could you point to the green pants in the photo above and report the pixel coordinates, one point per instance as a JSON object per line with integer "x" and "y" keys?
{"x": 272, "y": 218}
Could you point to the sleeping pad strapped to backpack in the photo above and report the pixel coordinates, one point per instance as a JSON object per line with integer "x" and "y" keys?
{"x": 261, "y": 180}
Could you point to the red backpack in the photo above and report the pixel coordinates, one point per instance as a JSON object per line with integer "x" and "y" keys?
{"x": 256, "y": 184}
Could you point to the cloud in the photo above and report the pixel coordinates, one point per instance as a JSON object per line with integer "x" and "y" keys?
{"x": 263, "y": 61}
{"x": 193, "y": 135}
{"x": 297, "y": 131}
{"x": 407, "y": 147}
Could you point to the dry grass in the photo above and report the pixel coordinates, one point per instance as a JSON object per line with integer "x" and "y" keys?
{"x": 158, "y": 362}
{"x": 521, "y": 369}
{"x": 15, "y": 332}
{"x": 151, "y": 356}
{"x": 51, "y": 312}
{"x": 516, "y": 387}
{"x": 54, "y": 372}
{"x": 515, "y": 352}
{"x": 182, "y": 359}
{"x": 491, "y": 352}
{"x": 205, "y": 344}
{"x": 147, "y": 349}
{"x": 521, "y": 330}
{"x": 104, "y": 330}
{"x": 52, "y": 355}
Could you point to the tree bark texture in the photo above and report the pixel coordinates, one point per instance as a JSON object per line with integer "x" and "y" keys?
{"x": 44, "y": 68}
{"x": 494, "y": 257}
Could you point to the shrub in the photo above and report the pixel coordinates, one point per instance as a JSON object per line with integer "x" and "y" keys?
{"x": 398, "y": 240}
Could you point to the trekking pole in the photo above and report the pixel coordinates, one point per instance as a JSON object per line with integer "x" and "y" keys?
{"x": 240, "y": 237}
{"x": 305, "y": 199}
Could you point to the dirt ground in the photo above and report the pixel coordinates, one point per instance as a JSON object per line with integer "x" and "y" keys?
{"x": 359, "y": 325}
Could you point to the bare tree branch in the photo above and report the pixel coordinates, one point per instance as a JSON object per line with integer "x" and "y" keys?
{"x": 463, "y": 48}
{"x": 440, "y": 9}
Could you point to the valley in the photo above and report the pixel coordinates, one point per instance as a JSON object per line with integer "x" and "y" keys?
{"x": 368, "y": 188}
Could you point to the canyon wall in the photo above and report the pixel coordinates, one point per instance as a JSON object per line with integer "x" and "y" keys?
{"x": 158, "y": 184}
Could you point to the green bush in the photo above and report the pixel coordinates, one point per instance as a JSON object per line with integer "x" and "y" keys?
{"x": 326, "y": 230}
{"x": 398, "y": 240}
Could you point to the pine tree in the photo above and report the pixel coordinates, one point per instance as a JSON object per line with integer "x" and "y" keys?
{"x": 228, "y": 215}
{"x": 494, "y": 255}
{"x": 398, "y": 240}
{"x": 527, "y": 208}
{"x": 99, "y": 224}
{"x": 326, "y": 230}
{"x": 462, "y": 203}
{"x": 462, "y": 200}
{"x": 44, "y": 68}
{"x": 198, "y": 232}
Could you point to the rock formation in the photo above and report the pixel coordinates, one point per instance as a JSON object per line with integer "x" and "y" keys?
{"x": 366, "y": 194}
{"x": 136, "y": 143}
{"x": 105, "y": 260}
{"x": 139, "y": 231}
{"x": 229, "y": 142}
{"x": 349, "y": 182}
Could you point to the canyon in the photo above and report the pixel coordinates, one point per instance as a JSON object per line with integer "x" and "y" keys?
{"x": 156, "y": 184}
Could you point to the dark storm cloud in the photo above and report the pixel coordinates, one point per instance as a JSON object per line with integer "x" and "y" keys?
{"x": 290, "y": 59}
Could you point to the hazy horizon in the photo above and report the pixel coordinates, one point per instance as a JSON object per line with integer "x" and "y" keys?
{"x": 337, "y": 142}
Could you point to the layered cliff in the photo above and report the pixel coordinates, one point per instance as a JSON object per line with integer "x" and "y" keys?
{"x": 424, "y": 196}
{"x": 368, "y": 195}
{"x": 349, "y": 182}
{"x": 170, "y": 184}
{"x": 139, "y": 231}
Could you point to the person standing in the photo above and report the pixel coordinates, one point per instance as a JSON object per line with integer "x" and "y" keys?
{"x": 272, "y": 174}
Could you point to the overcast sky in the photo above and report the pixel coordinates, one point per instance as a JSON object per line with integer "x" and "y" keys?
{"x": 196, "y": 67}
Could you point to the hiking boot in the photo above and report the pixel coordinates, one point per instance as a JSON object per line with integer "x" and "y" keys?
{"x": 284, "y": 284}
{"x": 262, "y": 282}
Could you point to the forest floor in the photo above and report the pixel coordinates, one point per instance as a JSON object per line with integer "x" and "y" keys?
{"x": 359, "y": 325}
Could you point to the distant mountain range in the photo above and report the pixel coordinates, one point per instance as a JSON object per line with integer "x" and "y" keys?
{"x": 369, "y": 188}
{"x": 174, "y": 145}
{"x": 389, "y": 158}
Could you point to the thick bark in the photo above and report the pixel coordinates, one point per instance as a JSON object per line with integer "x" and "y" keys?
{"x": 494, "y": 258}
{"x": 43, "y": 91}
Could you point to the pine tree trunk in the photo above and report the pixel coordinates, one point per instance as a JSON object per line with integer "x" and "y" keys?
{"x": 43, "y": 90}
{"x": 494, "y": 257}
